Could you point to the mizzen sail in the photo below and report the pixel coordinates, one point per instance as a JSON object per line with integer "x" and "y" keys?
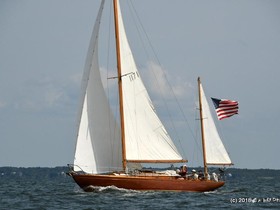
{"x": 216, "y": 153}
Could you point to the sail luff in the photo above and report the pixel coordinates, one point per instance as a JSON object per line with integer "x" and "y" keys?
{"x": 119, "y": 67}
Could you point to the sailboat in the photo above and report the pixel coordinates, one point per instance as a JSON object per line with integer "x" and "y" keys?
{"x": 108, "y": 154}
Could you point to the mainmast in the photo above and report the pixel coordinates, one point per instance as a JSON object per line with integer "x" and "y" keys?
{"x": 202, "y": 128}
{"x": 120, "y": 82}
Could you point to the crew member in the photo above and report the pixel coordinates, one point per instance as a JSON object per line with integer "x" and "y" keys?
{"x": 183, "y": 170}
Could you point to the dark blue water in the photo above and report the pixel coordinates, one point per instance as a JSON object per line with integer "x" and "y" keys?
{"x": 245, "y": 189}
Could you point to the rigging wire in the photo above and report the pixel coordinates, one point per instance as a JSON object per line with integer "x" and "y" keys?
{"x": 147, "y": 55}
{"x": 136, "y": 19}
{"x": 131, "y": 7}
{"x": 165, "y": 77}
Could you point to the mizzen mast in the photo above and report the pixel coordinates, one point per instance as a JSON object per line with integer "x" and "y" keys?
{"x": 202, "y": 128}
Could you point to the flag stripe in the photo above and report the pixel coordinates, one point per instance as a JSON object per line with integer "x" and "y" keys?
{"x": 225, "y": 108}
{"x": 228, "y": 104}
{"x": 227, "y": 112}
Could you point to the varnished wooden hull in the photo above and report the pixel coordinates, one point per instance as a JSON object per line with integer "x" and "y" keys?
{"x": 162, "y": 183}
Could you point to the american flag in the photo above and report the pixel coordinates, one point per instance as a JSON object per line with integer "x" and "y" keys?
{"x": 225, "y": 108}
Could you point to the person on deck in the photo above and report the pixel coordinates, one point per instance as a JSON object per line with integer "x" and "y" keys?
{"x": 194, "y": 175}
{"x": 200, "y": 175}
{"x": 183, "y": 171}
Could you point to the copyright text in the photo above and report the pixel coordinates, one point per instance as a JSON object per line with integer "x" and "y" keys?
{"x": 255, "y": 200}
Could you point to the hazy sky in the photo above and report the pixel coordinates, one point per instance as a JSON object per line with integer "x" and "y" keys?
{"x": 234, "y": 45}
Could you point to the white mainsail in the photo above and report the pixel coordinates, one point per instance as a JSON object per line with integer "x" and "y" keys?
{"x": 216, "y": 153}
{"x": 146, "y": 137}
{"x": 98, "y": 147}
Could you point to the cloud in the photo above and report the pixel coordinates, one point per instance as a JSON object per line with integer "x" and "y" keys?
{"x": 53, "y": 96}
{"x": 162, "y": 84}
{"x": 49, "y": 94}
{"x": 2, "y": 104}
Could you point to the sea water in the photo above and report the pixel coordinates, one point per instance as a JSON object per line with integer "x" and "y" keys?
{"x": 244, "y": 189}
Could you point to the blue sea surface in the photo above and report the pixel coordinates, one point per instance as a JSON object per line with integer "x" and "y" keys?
{"x": 244, "y": 189}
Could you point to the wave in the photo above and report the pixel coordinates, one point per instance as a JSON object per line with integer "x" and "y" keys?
{"x": 107, "y": 189}
{"x": 212, "y": 192}
{"x": 266, "y": 177}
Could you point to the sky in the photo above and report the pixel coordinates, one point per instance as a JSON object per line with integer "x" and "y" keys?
{"x": 233, "y": 45}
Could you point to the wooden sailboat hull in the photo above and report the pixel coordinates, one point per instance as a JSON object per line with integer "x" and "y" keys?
{"x": 161, "y": 183}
